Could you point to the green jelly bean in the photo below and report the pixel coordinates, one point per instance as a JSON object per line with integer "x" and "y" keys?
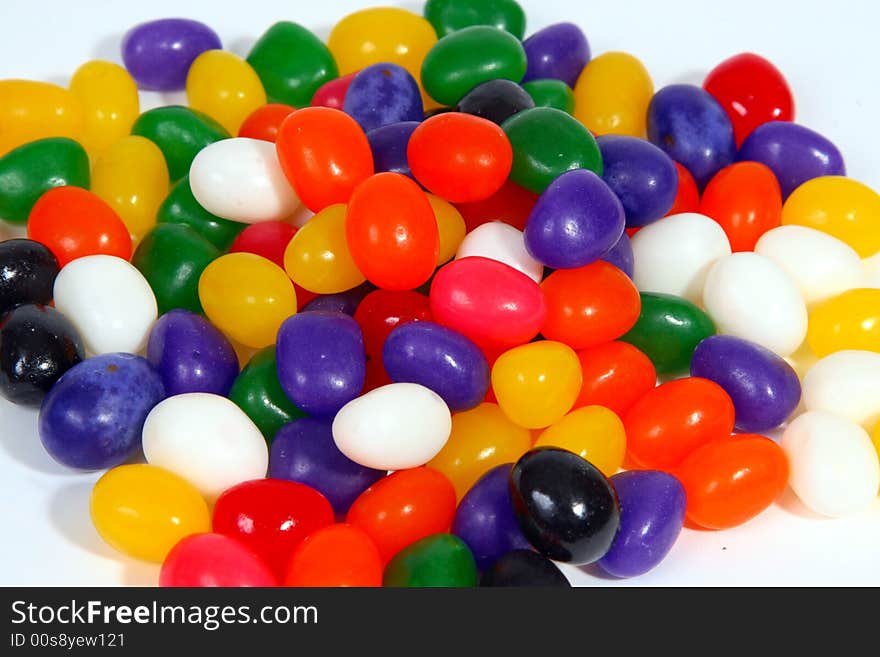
{"x": 668, "y": 330}
{"x": 546, "y": 143}
{"x": 181, "y": 207}
{"x": 460, "y": 61}
{"x": 441, "y": 560}
{"x": 551, "y": 93}
{"x": 180, "y": 133}
{"x": 292, "y": 63}
{"x": 258, "y": 393}
{"x": 448, "y": 16}
{"x": 30, "y": 170}
{"x": 172, "y": 257}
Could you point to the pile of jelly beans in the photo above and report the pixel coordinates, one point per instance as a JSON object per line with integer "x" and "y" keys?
{"x": 391, "y": 309}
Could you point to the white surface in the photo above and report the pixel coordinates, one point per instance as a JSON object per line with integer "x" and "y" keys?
{"x": 829, "y": 59}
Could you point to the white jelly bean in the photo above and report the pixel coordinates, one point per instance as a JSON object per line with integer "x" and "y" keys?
{"x": 502, "y": 242}
{"x": 846, "y": 383}
{"x": 394, "y": 427}
{"x": 751, "y": 297}
{"x": 834, "y": 468}
{"x": 207, "y": 440}
{"x": 241, "y": 179}
{"x": 673, "y": 255}
{"x": 871, "y": 271}
{"x": 109, "y": 301}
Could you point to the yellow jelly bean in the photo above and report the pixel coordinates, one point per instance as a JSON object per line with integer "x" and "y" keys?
{"x": 850, "y": 320}
{"x": 537, "y": 383}
{"x": 842, "y": 207}
{"x": 876, "y": 438}
{"x": 109, "y": 98}
{"x": 132, "y": 177}
{"x": 318, "y": 258}
{"x": 225, "y": 87}
{"x": 143, "y": 510}
{"x": 247, "y": 297}
{"x": 481, "y": 438}
{"x": 612, "y": 94}
{"x": 32, "y": 110}
{"x": 594, "y": 433}
{"x": 450, "y": 225}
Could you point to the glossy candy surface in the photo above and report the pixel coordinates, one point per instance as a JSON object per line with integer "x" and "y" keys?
{"x": 181, "y": 207}
{"x": 612, "y": 95}
{"x": 213, "y": 560}
{"x": 381, "y": 311}
{"x": 615, "y": 374}
{"x": 27, "y": 273}
{"x": 550, "y": 93}
{"x": 383, "y": 94}
{"x": 850, "y": 320}
{"x": 109, "y": 99}
{"x": 31, "y": 110}
{"x": 688, "y": 197}
{"x": 264, "y": 122}
{"x": 495, "y": 100}
{"x": 448, "y": 16}
{"x": 594, "y": 433}
{"x": 336, "y": 555}
{"x": 558, "y": 51}
{"x": 511, "y": 204}
{"x": 845, "y": 383}
{"x": 451, "y": 228}
{"x": 499, "y": 241}
{"x": 332, "y": 93}
{"x": 441, "y": 560}
{"x": 388, "y": 144}
{"x": 159, "y": 53}
{"x": 523, "y": 568}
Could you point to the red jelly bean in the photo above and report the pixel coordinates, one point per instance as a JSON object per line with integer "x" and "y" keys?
{"x": 381, "y": 311}
{"x": 511, "y": 204}
{"x": 687, "y": 198}
{"x": 338, "y": 555}
{"x": 616, "y": 375}
{"x": 203, "y": 560}
{"x": 332, "y": 93}
{"x": 264, "y": 122}
{"x": 267, "y": 238}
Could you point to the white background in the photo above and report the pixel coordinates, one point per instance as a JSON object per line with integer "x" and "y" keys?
{"x": 826, "y": 49}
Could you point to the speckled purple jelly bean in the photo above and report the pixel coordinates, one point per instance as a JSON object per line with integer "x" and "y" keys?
{"x": 388, "y": 144}
{"x": 485, "y": 519}
{"x": 158, "y": 53}
{"x": 341, "y": 302}
{"x": 642, "y": 176}
{"x": 652, "y": 506}
{"x": 93, "y": 416}
{"x": 558, "y": 51}
{"x": 764, "y": 388}
{"x": 693, "y": 129}
{"x": 576, "y": 221}
{"x": 304, "y": 451}
{"x": 321, "y": 361}
{"x": 382, "y": 94}
{"x": 191, "y": 355}
{"x": 621, "y": 255}
{"x": 794, "y": 153}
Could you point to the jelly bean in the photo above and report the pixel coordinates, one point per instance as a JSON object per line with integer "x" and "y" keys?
{"x": 752, "y": 91}
{"x": 491, "y": 303}
{"x": 268, "y": 239}
{"x": 834, "y": 466}
{"x": 247, "y": 297}
{"x": 27, "y": 273}
{"x": 594, "y": 433}
{"x": 404, "y": 507}
{"x": 621, "y": 255}
{"x": 29, "y": 171}
{"x": 31, "y": 111}
{"x": 213, "y": 560}
{"x": 229, "y": 446}
{"x": 442, "y": 560}
{"x": 652, "y": 506}
{"x": 577, "y": 220}
{"x": 338, "y": 555}
{"x": 388, "y": 144}
{"x": 109, "y": 98}
{"x": 674, "y": 419}
{"x": 845, "y": 383}
{"x": 224, "y": 86}
{"x": 851, "y": 320}
{"x": 92, "y": 417}
{"x": 558, "y": 51}
{"x": 537, "y": 383}
{"x": 451, "y": 228}
{"x": 495, "y": 100}
{"x": 264, "y": 122}
{"x": 332, "y": 93}
{"x": 109, "y": 302}
{"x": 159, "y": 53}
{"x": 144, "y": 511}
{"x": 546, "y": 143}
{"x": 321, "y": 361}
{"x": 343, "y": 302}
{"x": 589, "y": 305}
{"x": 383, "y": 94}
{"x": 550, "y": 93}
{"x": 37, "y": 345}
{"x": 765, "y": 390}
{"x": 381, "y": 311}
{"x": 821, "y": 265}
{"x": 502, "y": 242}
{"x": 511, "y": 204}
{"x": 181, "y": 207}
{"x": 448, "y": 16}
{"x": 687, "y": 199}
{"x": 751, "y": 297}
{"x": 131, "y": 177}
{"x": 172, "y": 258}
{"x": 794, "y": 153}
{"x": 616, "y": 375}
{"x": 524, "y": 568}
{"x": 612, "y": 95}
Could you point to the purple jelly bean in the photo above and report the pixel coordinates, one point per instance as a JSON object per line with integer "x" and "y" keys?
{"x": 621, "y": 255}
{"x": 693, "y": 129}
{"x": 321, "y": 361}
{"x": 576, "y": 221}
{"x": 93, "y": 416}
{"x": 388, "y": 144}
{"x": 652, "y": 506}
{"x": 304, "y": 451}
{"x": 341, "y": 302}
{"x": 795, "y": 154}
{"x": 485, "y": 519}
{"x": 382, "y": 94}
{"x": 558, "y": 51}
{"x": 158, "y": 53}
{"x": 765, "y": 390}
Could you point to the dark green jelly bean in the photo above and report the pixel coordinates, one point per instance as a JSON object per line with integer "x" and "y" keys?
{"x": 441, "y": 560}
{"x": 551, "y": 93}
{"x": 460, "y": 61}
{"x": 259, "y": 394}
{"x": 172, "y": 257}
{"x": 30, "y": 170}
{"x": 180, "y": 133}
{"x": 292, "y": 63}
{"x": 181, "y": 207}
{"x": 448, "y": 16}
{"x": 668, "y": 330}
